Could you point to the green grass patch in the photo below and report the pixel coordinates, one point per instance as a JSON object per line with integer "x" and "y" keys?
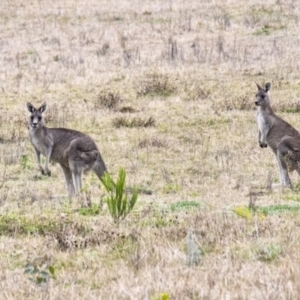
{"x": 265, "y": 30}
{"x": 171, "y": 188}
{"x": 293, "y": 197}
{"x": 89, "y": 211}
{"x": 247, "y": 213}
{"x": 291, "y": 110}
{"x": 268, "y": 253}
{"x": 184, "y": 205}
{"x": 268, "y": 29}
{"x": 278, "y": 208}
{"x": 16, "y": 224}
{"x": 159, "y": 218}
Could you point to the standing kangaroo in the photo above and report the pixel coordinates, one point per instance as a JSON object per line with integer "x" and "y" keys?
{"x": 75, "y": 151}
{"x": 279, "y": 135}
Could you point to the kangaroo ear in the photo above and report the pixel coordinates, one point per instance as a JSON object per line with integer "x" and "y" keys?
{"x": 267, "y": 86}
{"x": 258, "y": 86}
{"x": 30, "y": 107}
{"x": 43, "y": 107}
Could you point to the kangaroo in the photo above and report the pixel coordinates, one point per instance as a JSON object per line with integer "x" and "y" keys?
{"x": 280, "y": 136}
{"x": 75, "y": 151}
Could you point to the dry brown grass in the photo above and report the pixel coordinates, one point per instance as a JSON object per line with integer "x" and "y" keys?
{"x": 190, "y": 68}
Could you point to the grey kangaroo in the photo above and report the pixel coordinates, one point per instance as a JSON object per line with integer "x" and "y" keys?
{"x": 280, "y": 136}
{"x": 75, "y": 151}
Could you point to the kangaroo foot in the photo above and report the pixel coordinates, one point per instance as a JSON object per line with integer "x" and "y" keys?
{"x": 46, "y": 172}
{"x": 263, "y": 145}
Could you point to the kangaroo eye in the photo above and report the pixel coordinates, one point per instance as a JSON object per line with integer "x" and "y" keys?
{"x": 263, "y": 96}
{"x": 31, "y": 118}
{"x": 40, "y": 118}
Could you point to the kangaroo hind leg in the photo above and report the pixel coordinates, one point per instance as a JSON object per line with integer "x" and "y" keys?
{"x": 284, "y": 162}
{"x": 69, "y": 180}
{"x": 77, "y": 180}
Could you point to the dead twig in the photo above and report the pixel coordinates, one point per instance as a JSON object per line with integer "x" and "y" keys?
{"x": 3, "y": 178}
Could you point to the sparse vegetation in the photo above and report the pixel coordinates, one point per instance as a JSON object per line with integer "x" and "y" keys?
{"x": 166, "y": 89}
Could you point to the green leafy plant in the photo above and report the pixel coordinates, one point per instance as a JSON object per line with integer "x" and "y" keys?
{"x": 39, "y": 271}
{"x": 25, "y": 163}
{"x": 117, "y": 200}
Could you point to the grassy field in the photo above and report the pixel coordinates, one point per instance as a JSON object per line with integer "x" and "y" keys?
{"x": 166, "y": 89}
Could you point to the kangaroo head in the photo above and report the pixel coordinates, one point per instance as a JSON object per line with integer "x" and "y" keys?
{"x": 36, "y": 119}
{"x": 262, "y": 96}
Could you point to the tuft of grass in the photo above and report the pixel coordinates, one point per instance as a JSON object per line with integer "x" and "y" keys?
{"x": 155, "y": 84}
{"x": 269, "y": 253}
{"x": 25, "y": 162}
{"x": 127, "y": 109}
{"x": 103, "y": 50}
{"x": 193, "y": 92}
{"x": 56, "y": 58}
{"x": 171, "y": 188}
{"x": 265, "y": 30}
{"x": 133, "y": 122}
{"x": 153, "y": 142}
{"x": 110, "y": 99}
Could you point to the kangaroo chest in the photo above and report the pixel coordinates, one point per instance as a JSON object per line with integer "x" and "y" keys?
{"x": 37, "y": 142}
{"x": 264, "y": 123}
